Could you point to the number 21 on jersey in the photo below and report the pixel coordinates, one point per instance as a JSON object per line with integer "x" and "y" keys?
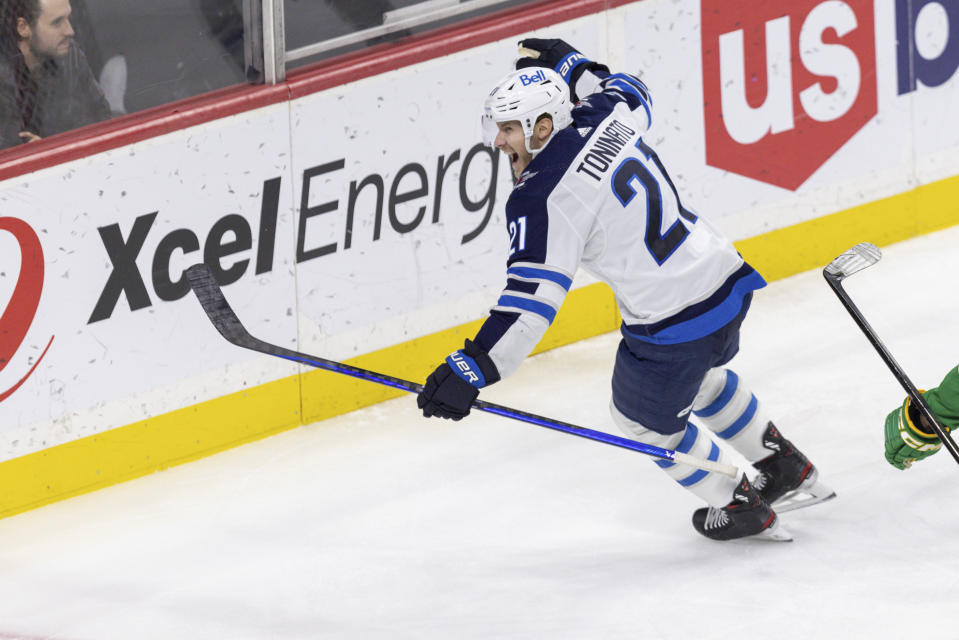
{"x": 517, "y": 235}
{"x": 633, "y": 171}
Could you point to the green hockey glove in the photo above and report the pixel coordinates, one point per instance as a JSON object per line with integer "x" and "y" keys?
{"x": 906, "y": 438}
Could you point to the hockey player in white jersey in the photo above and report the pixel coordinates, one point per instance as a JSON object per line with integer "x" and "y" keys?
{"x": 591, "y": 193}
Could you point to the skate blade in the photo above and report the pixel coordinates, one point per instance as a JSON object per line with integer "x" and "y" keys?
{"x": 806, "y": 495}
{"x": 774, "y": 533}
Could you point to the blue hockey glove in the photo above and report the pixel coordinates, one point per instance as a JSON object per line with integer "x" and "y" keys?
{"x": 449, "y": 391}
{"x": 560, "y": 57}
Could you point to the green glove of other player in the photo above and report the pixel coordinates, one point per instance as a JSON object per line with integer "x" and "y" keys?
{"x": 906, "y": 439}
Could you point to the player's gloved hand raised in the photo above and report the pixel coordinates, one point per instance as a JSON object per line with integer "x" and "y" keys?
{"x": 450, "y": 390}
{"x": 907, "y": 439}
{"x": 559, "y": 56}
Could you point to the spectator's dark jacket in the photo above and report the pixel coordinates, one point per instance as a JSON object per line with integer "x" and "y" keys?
{"x": 62, "y": 95}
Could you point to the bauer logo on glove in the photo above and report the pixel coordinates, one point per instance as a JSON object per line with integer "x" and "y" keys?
{"x": 569, "y": 63}
{"x": 466, "y": 368}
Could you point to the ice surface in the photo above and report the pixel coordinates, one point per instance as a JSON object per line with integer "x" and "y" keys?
{"x": 380, "y": 524}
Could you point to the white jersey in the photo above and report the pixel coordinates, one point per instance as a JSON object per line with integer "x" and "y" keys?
{"x": 598, "y": 197}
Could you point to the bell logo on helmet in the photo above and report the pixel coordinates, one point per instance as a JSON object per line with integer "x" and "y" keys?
{"x": 539, "y": 76}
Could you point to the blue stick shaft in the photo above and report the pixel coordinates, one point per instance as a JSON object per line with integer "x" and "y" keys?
{"x": 223, "y": 317}
{"x": 482, "y": 405}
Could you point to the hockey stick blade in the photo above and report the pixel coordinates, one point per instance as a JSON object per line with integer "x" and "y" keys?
{"x": 853, "y": 260}
{"x": 214, "y": 303}
{"x": 225, "y": 320}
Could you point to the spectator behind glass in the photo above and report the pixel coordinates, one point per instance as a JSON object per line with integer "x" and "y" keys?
{"x": 46, "y": 85}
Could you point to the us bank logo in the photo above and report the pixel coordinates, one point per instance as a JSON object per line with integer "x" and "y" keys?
{"x": 786, "y": 83}
{"x": 21, "y": 308}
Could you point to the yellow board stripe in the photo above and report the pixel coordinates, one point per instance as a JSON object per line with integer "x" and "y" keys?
{"x": 815, "y": 243}
{"x": 194, "y": 432}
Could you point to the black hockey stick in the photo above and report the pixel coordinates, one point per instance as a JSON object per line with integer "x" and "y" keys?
{"x": 214, "y": 303}
{"x": 854, "y": 260}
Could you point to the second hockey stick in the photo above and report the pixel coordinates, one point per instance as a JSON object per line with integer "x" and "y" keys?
{"x": 854, "y": 260}
{"x": 225, "y": 320}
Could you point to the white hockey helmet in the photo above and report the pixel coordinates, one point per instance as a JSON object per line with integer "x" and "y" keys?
{"x": 525, "y": 95}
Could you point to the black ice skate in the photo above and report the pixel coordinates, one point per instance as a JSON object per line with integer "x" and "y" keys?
{"x": 787, "y": 480}
{"x": 747, "y": 515}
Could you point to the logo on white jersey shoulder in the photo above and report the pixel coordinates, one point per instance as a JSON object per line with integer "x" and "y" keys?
{"x": 523, "y": 178}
